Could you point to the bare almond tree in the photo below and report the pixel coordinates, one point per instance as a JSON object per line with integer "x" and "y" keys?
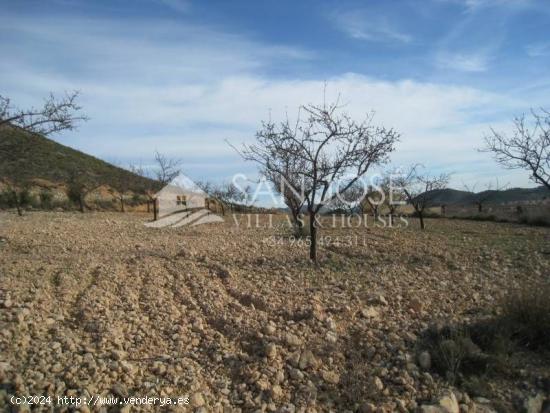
{"x": 527, "y": 148}
{"x": 419, "y": 187}
{"x": 56, "y": 114}
{"x": 334, "y": 149}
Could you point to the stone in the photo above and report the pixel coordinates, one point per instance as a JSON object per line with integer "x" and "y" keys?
{"x": 331, "y": 324}
{"x": 271, "y": 351}
{"x": 425, "y": 360}
{"x": 197, "y": 400}
{"x": 276, "y": 392}
{"x": 293, "y": 340}
{"x": 307, "y": 359}
{"x": 376, "y": 385}
{"x": 331, "y": 337}
{"x": 448, "y": 402}
{"x": 370, "y": 313}
{"x": 331, "y": 377}
{"x": 118, "y": 355}
{"x": 377, "y": 299}
{"x": 416, "y": 305}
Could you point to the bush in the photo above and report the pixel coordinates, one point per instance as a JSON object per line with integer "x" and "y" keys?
{"x": 536, "y": 220}
{"x": 526, "y": 315}
{"x": 463, "y": 352}
{"x": 453, "y": 351}
{"x": 11, "y": 198}
{"x": 46, "y": 198}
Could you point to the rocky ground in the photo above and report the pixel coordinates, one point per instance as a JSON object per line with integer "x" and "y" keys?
{"x": 238, "y": 319}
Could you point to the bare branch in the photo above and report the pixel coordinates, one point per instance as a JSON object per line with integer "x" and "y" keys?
{"x": 54, "y": 116}
{"x": 323, "y": 149}
{"x": 528, "y": 147}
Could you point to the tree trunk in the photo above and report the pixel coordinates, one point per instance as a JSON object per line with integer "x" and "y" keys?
{"x": 19, "y": 210}
{"x": 122, "y": 204}
{"x": 480, "y": 207}
{"x": 155, "y": 210}
{"x": 421, "y": 216}
{"x": 81, "y": 204}
{"x": 313, "y": 237}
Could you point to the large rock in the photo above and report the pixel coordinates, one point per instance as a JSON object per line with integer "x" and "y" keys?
{"x": 447, "y": 403}
{"x": 533, "y": 404}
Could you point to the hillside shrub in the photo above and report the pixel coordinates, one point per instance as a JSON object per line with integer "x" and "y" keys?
{"x": 463, "y": 352}
{"x": 46, "y": 199}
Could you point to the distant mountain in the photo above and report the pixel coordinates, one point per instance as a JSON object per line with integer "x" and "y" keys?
{"x": 30, "y": 157}
{"x": 456, "y": 197}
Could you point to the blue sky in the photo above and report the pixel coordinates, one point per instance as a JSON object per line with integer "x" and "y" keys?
{"x": 181, "y": 76}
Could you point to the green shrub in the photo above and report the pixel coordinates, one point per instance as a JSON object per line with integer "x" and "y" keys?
{"x": 46, "y": 199}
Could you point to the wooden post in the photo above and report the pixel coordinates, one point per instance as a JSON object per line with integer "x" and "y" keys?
{"x": 155, "y": 209}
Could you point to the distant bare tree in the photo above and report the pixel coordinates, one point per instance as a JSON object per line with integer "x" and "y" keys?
{"x": 393, "y": 195}
{"x": 149, "y": 189}
{"x": 166, "y": 169}
{"x": 418, "y": 188}
{"x": 333, "y": 148}
{"x": 528, "y": 147}
{"x": 54, "y": 116}
{"x": 350, "y": 199}
{"x": 481, "y": 198}
{"x": 227, "y": 194}
{"x": 372, "y": 201}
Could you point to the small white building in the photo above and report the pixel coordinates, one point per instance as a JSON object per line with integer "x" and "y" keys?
{"x": 179, "y": 195}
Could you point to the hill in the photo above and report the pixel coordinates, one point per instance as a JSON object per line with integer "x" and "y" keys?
{"x": 456, "y": 197}
{"x": 30, "y": 157}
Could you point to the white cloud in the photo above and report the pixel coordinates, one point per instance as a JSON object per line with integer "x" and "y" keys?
{"x": 185, "y": 89}
{"x": 362, "y": 26}
{"x": 464, "y": 62}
